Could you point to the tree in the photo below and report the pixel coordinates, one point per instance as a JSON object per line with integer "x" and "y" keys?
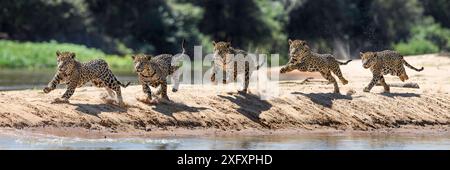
{"x": 145, "y": 26}
{"x": 41, "y": 20}
{"x": 360, "y": 25}
{"x": 439, "y": 10}
{"x": 237, "y": 21}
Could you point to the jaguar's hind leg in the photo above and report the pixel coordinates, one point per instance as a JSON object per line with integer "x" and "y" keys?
{"x": 99, "y": 83}
{"x": 119, "y": 96}
{"x": 110, "y": 92}
{"x": 403, "y": 76}
{"x": 111, "y": 83}
{"x": 327, "y": 75}
{"x": 375, "y": 79}
{"x": 246, "y": 78}
{"x": 401, "y": 73}
{"x": 385, "y": 85}
{"x": 163, "y": 91}
{"x": 337, "y": 71}
{"x": 110, "y": 96}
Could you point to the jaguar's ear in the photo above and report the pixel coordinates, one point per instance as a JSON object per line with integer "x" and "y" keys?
{"x": 229, "y": 43}
{"x": 148, "y": 57}
{"x": 133, "y": 57}
{"x": 290, "y": 41}
{"x": 58, "y": 53}
{"x": 72, "y": 55}
{"x": 303, "y": 42}
{"x": 214, "y": 43}
{"x": 361, "y": 53}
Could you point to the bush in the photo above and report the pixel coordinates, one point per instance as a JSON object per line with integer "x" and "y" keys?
{"x": 416, "y": 46}
{"x": 30, "y": 55}
{"x": 427, "y": 37}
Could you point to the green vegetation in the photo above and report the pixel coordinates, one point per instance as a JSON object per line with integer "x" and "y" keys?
{"x": 428, "y": 37}
{"x": 416, "y": 46}
{"x": 42, "y": 55}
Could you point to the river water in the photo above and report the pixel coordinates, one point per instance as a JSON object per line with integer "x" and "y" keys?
{"x": 16, "y": 139}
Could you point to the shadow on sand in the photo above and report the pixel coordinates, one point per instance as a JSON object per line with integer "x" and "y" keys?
{"x": 324, "y": 99}
{"x": 400, "y": 94}
{"x": 95, "y": 109}
{"x": 251, "y": 106}
{"x": 172, "y": 107}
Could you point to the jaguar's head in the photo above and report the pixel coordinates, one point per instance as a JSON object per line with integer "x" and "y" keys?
{"x": 221, "y": 48}
{"x": 142, "y": 63}
{"x": 296, "y": 49}
{"x": 368, "y": 59}
{"x": 66, "y": 61}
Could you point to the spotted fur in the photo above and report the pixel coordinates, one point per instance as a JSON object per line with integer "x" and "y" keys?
{"x": 230, "y": 60}
{"x": 383, "y": 63}
{"x": 303, "y": 59}
{"x": 153, "y": 71}
{"x": 75, "y": 74}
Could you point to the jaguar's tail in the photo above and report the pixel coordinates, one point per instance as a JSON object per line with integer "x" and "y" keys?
{"x": 182, "y": 47}
{"x": 124, "y": 85}
{"x": 343, "y": 63}
{"x": 411, "y": 67}
{"x": 120, "y": 83}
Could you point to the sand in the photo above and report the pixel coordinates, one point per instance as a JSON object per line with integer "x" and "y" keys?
{"x": 302, "y": 106}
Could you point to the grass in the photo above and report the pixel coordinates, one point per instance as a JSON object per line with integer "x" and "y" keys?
{"x": 41, "y": 55}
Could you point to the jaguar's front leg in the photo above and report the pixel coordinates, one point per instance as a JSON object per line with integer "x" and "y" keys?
{"x": 69, "y": 92}
{"x": 385, "y": 85}
{"x": 52, "y": 85}
{"x": 213, "y": 76}
{"x": 246, "y": 78}
{"x": 224, "y": 76}
{"x": 148, "y": 92}
{"x": 375, "y": 79}
{"x": 235, "y": 71}
{"x": 163, "y": 92}
{"x": 301, "y": 66}
{"x": 287, "y": 68}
